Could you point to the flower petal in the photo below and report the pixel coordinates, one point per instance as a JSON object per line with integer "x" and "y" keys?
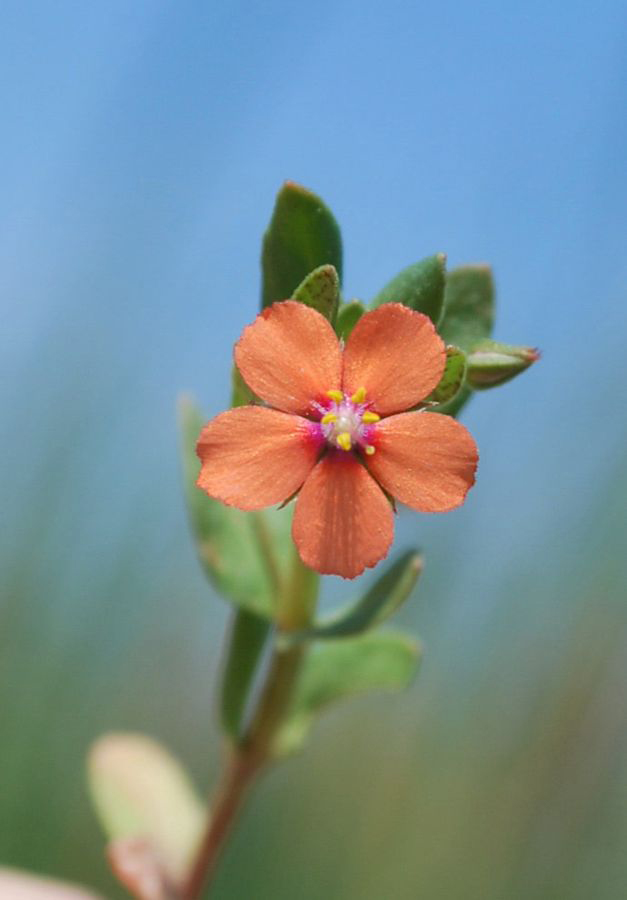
{"x": 289, "y": 356}
{"x": 343, "y": 520}
{"x": 254, "y": 457}
{"x": 396, "y": 355}
{"x": 425, "y": 460}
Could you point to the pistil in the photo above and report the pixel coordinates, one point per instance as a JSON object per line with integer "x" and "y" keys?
{"x": 347, "y": 425}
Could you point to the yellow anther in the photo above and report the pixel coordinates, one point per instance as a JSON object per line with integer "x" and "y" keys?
{"x": 369, "y": 449}
{"x": 359, "y": 396}
{"x": 344, "y": 440}
{"x": 370, "y": 417}
{"x": 330, "y": 417}
{"x": 338, "y": 396}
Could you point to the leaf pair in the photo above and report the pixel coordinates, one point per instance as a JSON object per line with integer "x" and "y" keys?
{"x": 348, "y": 657}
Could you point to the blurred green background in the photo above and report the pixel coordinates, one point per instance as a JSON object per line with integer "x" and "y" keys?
{"x": 143, "y": 147}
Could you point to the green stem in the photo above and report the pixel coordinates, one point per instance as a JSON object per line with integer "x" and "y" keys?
{"x": 299, "y": 597}
{"x": 250, "y": 757}
{"x": 237, "y": 778}
{"x": 264, "y": 539}
{"x": 274, "y": 702}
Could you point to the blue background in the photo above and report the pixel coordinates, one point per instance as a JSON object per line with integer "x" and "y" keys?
{"x": 143, "y": 144}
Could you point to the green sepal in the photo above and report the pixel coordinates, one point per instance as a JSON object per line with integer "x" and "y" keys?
{"x": 140, "y": 792}
{"x": 420, "y": 286}
{"x": 334, "y": 670}
{"x": 320, "y": 290}
{"x": 468, "y": 306}
{"x": 241, "y": 394}
{"x": 301, "y": 236}
{"x": 348, "y": 316}
{"x": 491, "y": 364}
{"x": 246, "y": 641}
{"x": 388, "y": 593}
{"x": 454, "y": 406}
{"x": 453, "y": 378}
{"x": 244, "y": 554}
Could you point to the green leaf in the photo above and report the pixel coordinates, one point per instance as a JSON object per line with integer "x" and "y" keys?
{"x": 468, "y": 306}
{"x": 320, "y": 290}
{"x": 382, "y": 600}
{"x": 244, "y": 554}
{"x": 142, "y": 794}
{"x": 334, "y": 670}
{"x": 468, "y": 318}
{"x": 246, "y": 642}
{"x": 453, "y": 377}
{"x": 302, "y": 235}
{"x": 491, "y": 364}
{"x": 348, "y": 316}
{"x": 420, "y": 286}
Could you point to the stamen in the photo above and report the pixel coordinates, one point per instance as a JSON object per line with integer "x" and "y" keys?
{"x": 338, "y": 396}
{"x": 369, "y": 418}
{"x": 330, "y": 417}
{"x": 359, "y": 396}
{"x": 344, "y": 440}
{"x": 370, "y": 450}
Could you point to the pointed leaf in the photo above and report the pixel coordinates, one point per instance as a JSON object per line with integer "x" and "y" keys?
{"x": 246, "y": 642}
{"x": 333, "y": 670}
{"x": 302, "y": 235}
{"x": 468, "y": 306}
{"x": 420, "y": 286}
{"x": 382, "y": 600}
{"x": 245, "y": 555}
{"x": 348, "y": 316}
{"x": 144, "y": 798}
{"x": 491, "y": 364}
{"x": 453, "y": 378}
{"x": 320, "y": 290}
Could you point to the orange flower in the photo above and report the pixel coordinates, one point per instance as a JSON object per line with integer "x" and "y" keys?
{"x": 331, "y": 431}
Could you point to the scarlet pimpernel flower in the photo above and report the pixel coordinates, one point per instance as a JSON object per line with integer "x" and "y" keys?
{"x": 336, "y": 431}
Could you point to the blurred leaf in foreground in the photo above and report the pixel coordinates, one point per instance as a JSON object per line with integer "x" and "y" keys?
{"x": 17, "y": 885}
{"x": 147, "y": 807}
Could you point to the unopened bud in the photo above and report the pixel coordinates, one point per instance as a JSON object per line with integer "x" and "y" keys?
{"x": 491, "y": 364}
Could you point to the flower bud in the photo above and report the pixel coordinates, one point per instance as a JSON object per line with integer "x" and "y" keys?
{"x": 491, "y": 364}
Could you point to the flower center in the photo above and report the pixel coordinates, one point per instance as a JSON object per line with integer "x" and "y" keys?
{"x": 347, "y": 422}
